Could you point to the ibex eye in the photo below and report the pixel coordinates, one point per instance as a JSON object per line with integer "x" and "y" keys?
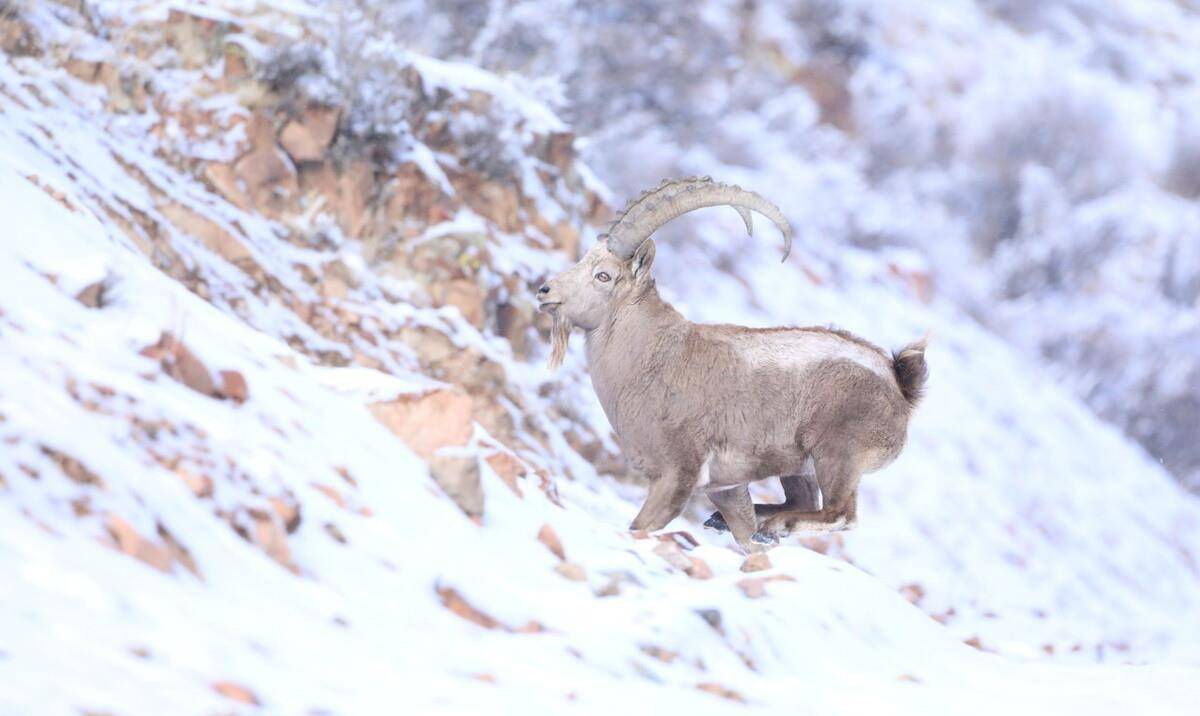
{"x": 603, "y": 277}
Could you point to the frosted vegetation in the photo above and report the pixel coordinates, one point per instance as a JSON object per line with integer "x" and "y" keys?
{"x": 218, "y": 496}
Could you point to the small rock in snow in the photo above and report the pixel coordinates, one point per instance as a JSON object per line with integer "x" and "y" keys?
{"x": 572, "y": 571}
{"x": 547, "y": 536}
{"x": 459, "y": 478}
{"x": 756, "y": 563}
{"x": 236, "y": 692}
{"x": 233, "y": 386}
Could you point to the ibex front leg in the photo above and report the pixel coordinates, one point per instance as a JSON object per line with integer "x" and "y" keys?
{"x": 665, "y": 500}
{"x": 738, "y": 512}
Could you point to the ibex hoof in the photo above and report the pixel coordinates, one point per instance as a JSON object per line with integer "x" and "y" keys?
{"x": 716, "y": 522}
{"x": 761, "y": 537}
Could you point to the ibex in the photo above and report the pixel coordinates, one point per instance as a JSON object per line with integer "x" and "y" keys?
{"x": 716, "y": 407}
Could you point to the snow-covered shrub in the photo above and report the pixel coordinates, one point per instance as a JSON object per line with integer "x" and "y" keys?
{"x": 289, "y": 72}
{"x": 1075, "y": 127}
{"x": 362, "y": 70}
{"x": 832, "y": 30}
{"x": 1107, "y": 291}
{"x": 1183, "y": 175}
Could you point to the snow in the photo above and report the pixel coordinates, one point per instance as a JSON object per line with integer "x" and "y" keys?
{"x": 1023, "y": 519}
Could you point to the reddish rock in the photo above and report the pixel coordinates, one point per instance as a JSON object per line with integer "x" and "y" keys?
{"x": 673, "y": 555}
{"x": 331, "y": 493}
{"x": 288, "y": 510}
{"x": 130, "y": 542}
{"x": 93, "y": 295}
{"x": 572, "y": 571}
{"x": 269, "y": 535}
{"x": 81, "y": 69}
{"x": 914, "y": 593}
{"x": 699, "y": 569}
{"x": 756, "y": 563}
{"x": 237, "y": 66}
{"x": 722, "y": 691}
{"x": 237, "y": 692}
{"x": 509, "y": 468}
{"x": 212, "y": 234}
{"x": 465, "y": 295}
{"x": 455, "y": 602}
{"x": 547, "y": 536}
{"x": 270, "y": 180}
{"x": 428, "y": 421}
{"x": 225, "y": 181}
{"x": 260, "y": 131}
{"x": 495, "y": 200}
{"x": 177, "y": 552}
{"x": 530, "y": 627}
{"x": 306, "y": 137}
{"x": 181, "y": 364}
{"x": 755, "y": 587}
{"x": 200, "y": 485}
{"x": 73, "y": 468}
{"x": 17, "y": 38}
{"x": 233, "y": 386}
{"x": 354, "y": 188}
{"x": 664, "y": 655}
{"x": 334, "y": 288}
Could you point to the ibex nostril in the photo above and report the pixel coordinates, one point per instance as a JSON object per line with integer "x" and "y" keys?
{"x": 544, "y": 289}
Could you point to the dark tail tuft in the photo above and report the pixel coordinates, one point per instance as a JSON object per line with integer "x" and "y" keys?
{"x": 909, "y": 366}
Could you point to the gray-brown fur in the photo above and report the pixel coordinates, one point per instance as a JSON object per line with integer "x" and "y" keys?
{"x": 716, "y": 407}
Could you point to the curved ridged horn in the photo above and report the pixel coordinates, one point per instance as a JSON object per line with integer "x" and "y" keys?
{"x": 643, "y": 216}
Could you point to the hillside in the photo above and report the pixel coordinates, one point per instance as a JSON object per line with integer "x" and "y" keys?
{"x": 276, "y": 430}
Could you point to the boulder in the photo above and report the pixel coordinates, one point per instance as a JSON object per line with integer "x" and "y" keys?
{"x": 233, "y": 386}
{"x": 270, "y": 180}
{"x": 307, "y": 137}
{"x": 428, "y": 421}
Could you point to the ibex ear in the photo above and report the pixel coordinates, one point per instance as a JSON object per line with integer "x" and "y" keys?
{"x": 642, "y": 259}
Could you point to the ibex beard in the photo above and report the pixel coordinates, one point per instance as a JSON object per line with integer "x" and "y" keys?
{"x": 717, "y": 407}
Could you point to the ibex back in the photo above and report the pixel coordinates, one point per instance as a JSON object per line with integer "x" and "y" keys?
{"x": 716, "y": 407}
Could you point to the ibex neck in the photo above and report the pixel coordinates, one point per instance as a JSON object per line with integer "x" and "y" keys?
{"x": 627, "y": 354}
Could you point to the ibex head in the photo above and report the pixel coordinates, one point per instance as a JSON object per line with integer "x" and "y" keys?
{"x": 617, "y": 269}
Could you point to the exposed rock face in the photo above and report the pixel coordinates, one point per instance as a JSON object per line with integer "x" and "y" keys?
{"x": 307, "y": 137}
{"x": 438, "y": 419}
{"x": 270, "y": 180}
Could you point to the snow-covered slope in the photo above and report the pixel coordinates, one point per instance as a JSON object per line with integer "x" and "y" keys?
{"x": 204, "y": 511}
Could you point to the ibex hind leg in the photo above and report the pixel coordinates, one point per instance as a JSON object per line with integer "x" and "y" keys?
{"x": 839, "y": 487}
{"x": 801, "y": 493}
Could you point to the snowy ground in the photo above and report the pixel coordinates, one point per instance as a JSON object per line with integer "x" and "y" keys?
{"x": 1014, "y": 517}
